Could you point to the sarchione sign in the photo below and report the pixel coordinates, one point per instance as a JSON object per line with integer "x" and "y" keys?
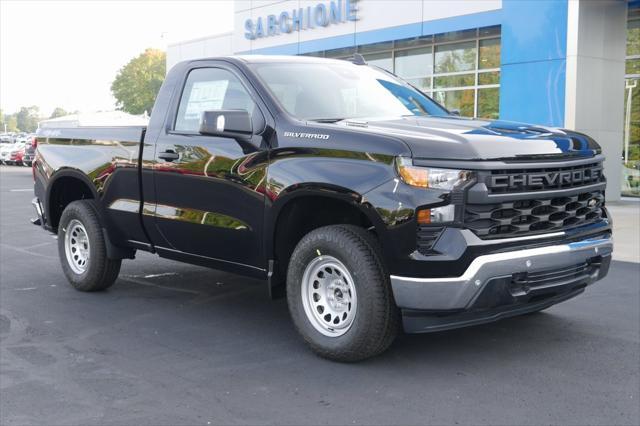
{"x": 321, "y": 15}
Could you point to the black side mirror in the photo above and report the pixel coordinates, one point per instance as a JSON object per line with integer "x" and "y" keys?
{"x": 230, "y": 123}
{"x": 455, "y": 112}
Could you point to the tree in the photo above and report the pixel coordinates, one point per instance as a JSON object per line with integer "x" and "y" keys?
{"x": 58, "y": 112}
{"x": 137, "y": 83}
{"x": 27, "y": 118}
{"x": 12, "y": 123}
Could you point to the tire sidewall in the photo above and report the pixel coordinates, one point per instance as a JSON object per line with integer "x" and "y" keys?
{"x": 364, "y": 279}
{"x": 78, "y": 210}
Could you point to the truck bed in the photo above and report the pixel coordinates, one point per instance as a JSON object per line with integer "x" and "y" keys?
{"x": 111, "y": 133}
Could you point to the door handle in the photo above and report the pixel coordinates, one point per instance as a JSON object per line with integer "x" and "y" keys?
{"x": 168, "y": 155}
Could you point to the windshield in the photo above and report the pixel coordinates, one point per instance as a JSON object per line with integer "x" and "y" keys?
{"x": 334, "y": 91}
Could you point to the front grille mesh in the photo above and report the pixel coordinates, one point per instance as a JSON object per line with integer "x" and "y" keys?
{"x": 536, "y": 215}
{"x": 551, "y": 276}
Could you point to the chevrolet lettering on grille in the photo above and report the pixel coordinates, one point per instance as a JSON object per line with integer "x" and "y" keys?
{"x": 546, "y": 179}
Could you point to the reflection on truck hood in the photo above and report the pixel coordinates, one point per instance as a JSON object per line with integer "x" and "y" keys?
{"x": 466, "y": 139}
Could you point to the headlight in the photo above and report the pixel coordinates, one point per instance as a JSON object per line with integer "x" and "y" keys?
{"x": 428, "y": 177}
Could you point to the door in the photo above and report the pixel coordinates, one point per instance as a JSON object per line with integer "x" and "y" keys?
{"x": 209, "y": 190}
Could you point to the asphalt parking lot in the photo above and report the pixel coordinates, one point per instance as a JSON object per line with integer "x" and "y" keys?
{"x": 173, "y": 344}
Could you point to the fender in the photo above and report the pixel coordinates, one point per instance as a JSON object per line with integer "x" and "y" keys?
{"x": 113, "y": 251}
{"x": 73, "y": 173}
{"x": 319, "y": 190}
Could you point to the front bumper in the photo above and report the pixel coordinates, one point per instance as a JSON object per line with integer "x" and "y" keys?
{"x": 512, "y": 278}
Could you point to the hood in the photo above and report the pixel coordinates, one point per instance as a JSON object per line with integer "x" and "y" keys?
{"x": 458, "y": 138}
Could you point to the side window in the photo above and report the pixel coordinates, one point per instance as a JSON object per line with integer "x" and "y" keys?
{"x": 209, "y": 89}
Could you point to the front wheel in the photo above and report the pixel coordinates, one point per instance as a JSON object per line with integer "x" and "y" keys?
{"x": 82, "y": 249}
{"x": 339, "y": 294}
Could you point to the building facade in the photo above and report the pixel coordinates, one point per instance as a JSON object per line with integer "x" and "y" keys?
{"x": 565, "y": 63}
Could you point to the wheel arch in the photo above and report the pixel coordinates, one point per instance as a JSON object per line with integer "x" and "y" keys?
{"x": 306, "y": 208}
{"x": 64, "y": 187}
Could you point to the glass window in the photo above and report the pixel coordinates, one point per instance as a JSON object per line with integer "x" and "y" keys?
{"x": 457, "y": 61}
{"x": 456, "y": 57}
{"x": 415, "y": 42}
{"x": 414, "y": 62}
{"x": 382, "y": 60}
{"x": 423, "y": 84}
{"x": 209, "y": 89}
{"x": 459, "y": 80}
{"x": 489, "y": 53}
{"x": 455, "y": 35}
{"x": 489, "y": 31}
{"x": 485, "y": 78}
{"x": 338, "y": 53}
{"x": 631, "y": 143}
{"x": 461, "y": 100}
{"x": 375, "y": 47}
{"x": 488, "y": 103}
{"x": 632, "y": 66}
{"x": 330, "y": 91}
{"x": 633, "y": 38}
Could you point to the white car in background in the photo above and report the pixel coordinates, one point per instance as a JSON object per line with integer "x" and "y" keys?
{"x": 5, "y": 151}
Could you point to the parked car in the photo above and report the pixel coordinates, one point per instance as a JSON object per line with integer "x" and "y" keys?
{"x": 340, "y": 185}
{"x": 16, "y": 154}
{"x": 5, "y": 151}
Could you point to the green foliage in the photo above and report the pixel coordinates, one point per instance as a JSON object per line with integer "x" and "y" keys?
{"x": 27, "y": 118}
{"x": 12, "y": 123}
{"x": 58, "y": 112}
{"x": 137, "y": 83}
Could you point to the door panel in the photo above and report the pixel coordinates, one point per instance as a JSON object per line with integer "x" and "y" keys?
{"x": 209, "y": 190}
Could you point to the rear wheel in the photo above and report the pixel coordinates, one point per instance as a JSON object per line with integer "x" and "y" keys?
{"x": 82, "y": 249}
{"x": 339, "y": 294}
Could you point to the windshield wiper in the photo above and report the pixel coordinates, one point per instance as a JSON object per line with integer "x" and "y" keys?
{"x": 326, "y": 120}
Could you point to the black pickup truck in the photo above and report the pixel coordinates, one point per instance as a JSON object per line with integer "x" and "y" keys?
{"x": 366, "y": 203}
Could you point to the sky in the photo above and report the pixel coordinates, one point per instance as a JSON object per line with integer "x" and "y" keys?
{"x": 67, "y": 53}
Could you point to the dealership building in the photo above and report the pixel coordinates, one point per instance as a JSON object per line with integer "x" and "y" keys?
{"x": 565, "y": 63}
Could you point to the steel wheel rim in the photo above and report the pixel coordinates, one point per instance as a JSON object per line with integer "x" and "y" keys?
{"x": 76, "y": 246}
{"x": 329, "y": 296}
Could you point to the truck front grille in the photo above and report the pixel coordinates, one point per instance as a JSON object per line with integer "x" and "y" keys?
{"x": 543, "y": 179}
{"x": 533, "y": 216}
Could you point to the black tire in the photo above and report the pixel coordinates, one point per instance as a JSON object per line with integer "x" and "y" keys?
{"x": 377, "y": 319}
{"x": 101, "y": 272}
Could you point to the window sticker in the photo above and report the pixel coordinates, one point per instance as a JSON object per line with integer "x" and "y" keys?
{"x": 205, "y": 96}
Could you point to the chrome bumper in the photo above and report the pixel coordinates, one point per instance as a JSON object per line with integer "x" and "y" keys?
{"x": 460, "y": 292}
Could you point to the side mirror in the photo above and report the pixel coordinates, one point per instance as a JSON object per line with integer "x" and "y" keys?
{"x": 455, "y": 112}
{"x": 231, "y": 123}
